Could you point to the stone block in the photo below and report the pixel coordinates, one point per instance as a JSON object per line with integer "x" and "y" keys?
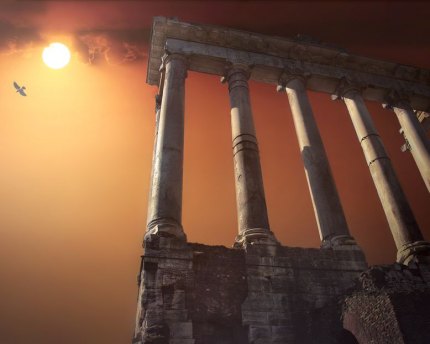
{"x": 252, "y": 260}
{"x": 258, "y": 301}
{"x": 280, "y": 318}
{"x": 259, "y": 334}
{"x": 180, "y": 330}
{"x": 174, "y": 264}
{"x": 280, "y": 301}
{"x": 153, "y": 316}
{"x": 259, "y": 284}
{"x": 283, "y": 261}
{"x": 171, "y": 243}
{"x": 280, "y": 333}
{"x": 280, "y": 284}
{"x": 268, "y": 261}
{"x": 182, "y": 341}
{"x": 175, "y": 314}
{"x": 171, "y": 277}
{"x": 255, "y": 317}
{"x": 282, "y": 271}
{"x": 152, "y": 297}
{"x": 178, "y": 301}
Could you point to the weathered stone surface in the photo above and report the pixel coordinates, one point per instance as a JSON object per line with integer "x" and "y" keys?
{"x": 214, "y": 294}
{"x": 390, "y": 305}
{"x": 220, "y": 286}
{"x": 166, "y": 274}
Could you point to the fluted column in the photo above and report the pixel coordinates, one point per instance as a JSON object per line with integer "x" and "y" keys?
{"x": 165, "y": 200}
{"x": 404, "y": 228}
{"x": 253, "y": 220}
{"x": 419, "y": 144}
{"x": 330, "y": 218}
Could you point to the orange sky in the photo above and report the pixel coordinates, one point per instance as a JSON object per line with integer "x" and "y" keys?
{"x": 75, "y": 154}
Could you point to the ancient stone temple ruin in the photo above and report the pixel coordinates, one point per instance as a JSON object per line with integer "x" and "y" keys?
{"x": 259, "y": 291}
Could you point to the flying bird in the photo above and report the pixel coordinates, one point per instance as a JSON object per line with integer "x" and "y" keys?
{"x": 19, "y": 89}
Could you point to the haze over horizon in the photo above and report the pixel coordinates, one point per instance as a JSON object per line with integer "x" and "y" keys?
{"x": 76, "y": 152}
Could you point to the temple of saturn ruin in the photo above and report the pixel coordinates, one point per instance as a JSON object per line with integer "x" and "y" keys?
{"x": 259, "y": 291}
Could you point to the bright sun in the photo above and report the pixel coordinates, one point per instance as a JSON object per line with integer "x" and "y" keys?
{"x": 56, "y": 55}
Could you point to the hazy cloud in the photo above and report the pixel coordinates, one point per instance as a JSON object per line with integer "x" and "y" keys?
{"x": 14, "y": 39}
{"x": 17, "y": 34}
{"x": 112, "y": 46}
{"x": 94, "y": 46}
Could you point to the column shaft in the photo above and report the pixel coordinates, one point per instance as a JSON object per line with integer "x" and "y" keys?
{"x": 330, "y": 218}
{"x": 154, "y": 152}
{"x": 251, "y": 204}
{"x": 417, "y": 138}
{"x": 404, "y": 228}
{"x": 165, "y": 201}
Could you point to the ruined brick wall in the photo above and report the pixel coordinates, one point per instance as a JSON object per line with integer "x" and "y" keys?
{"x": 390, "y": 305}
{"x": 193, "y": 293}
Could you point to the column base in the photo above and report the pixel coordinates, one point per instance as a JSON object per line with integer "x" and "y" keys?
{"x": 340, "y": 242}
{"x": 260, "y": 236}
{"x": 165, "y": 229}
{"x": 415, "y": 252}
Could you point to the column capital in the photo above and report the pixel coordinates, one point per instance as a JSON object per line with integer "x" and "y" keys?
{"x": 236, "y": 68}
{"x": 290, "y": 73}
{"x": 168, "y": 57}
{"x": 236, "y": 74}
{"x": 345, "y": 86}
{"x": 395, "y": 98}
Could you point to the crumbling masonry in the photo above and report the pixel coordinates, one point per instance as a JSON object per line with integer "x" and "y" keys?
{"x": 259, "y": 291}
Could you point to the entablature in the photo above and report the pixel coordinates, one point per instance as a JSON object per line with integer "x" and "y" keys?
{"x": 211, "y": 49}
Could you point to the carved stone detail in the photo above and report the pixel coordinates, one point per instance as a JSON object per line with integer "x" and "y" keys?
{"x": 346, "y": 85}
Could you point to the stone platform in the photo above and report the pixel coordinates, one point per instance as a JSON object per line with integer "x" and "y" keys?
{"x": 200, "y": 294}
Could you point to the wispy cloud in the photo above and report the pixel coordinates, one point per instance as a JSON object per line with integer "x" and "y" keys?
{"x": 94, "y": 46}
{"x": 112, "y": 46}
{"x": 15, "y": 39}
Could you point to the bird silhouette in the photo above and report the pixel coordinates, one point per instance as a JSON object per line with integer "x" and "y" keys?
{"x": 19, "y": 89}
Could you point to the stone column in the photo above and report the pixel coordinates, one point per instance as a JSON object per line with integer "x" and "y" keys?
{"x": 154, "y": 150}
{"x": 406, "y": 233}
{"x": 165, "y": 199}
{"x": 330, "y": 218}
{"x": 251, "y": 203}
{"x": 419, "y": 144}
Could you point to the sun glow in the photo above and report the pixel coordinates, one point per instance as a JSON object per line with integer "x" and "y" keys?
{"x": 56, "y": 55}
